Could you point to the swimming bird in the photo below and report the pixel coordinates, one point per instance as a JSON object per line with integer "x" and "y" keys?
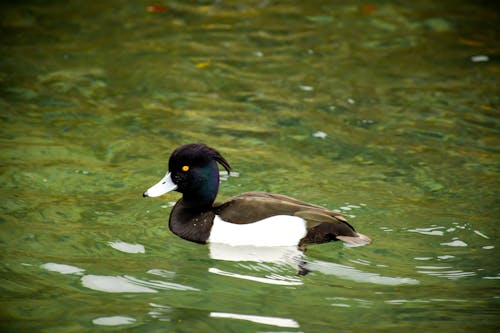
{"x": 252, "y": 218}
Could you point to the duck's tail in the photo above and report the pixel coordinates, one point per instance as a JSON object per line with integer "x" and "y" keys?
{"x": 357, "y": 240}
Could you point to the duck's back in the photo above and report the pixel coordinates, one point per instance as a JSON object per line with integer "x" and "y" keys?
{"x": 255, "y": 206}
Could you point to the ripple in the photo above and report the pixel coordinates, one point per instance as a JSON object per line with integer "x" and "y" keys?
{"x": 405, "y": 301}
{"x": 275, "y": 279}
{"x": 162, "y": 284}
{"x": 320, "y": 134}
{"x": 347, "y": 209}
{"x": 113, "y": 321}
{"x": 160, "y": 312}
{"x": 224, "y": 175}
{"x": 439, "y": 258}
{"x": 341, "y": 305}
{"x": 445, "y": 257}
{"x": 350, "y": 302}
{"x": 434, "y": 267}
{"x": 120, "y": 284}
{"x": 423, "y": 258}
{"x": 433, "y": 231}
{"x": 129, "y": 284}
{"x": 477, "y": 232}
{"x": 356, "y": 275}
{"x": 62, "y": 268}
{"x": 276, "y": 254}
{"x": 113, "y": 284}
{"x": 127, "y": 247}
{"x": 455, "y": 243}
{"x": 274, "y": 321}
{"x": 162, "y": 272}
{"x": 361, "y": 262}
{"x": 445, "y": 272}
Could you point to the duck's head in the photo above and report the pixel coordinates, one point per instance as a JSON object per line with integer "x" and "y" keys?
{"x": 193, "y": 171}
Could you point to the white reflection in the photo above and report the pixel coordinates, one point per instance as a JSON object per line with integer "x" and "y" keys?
{"x": 274, "y": 321}
{"x": 120, "y": 284}
{"x": 113, "y": 284}
{"x": 429, "y": 231}
{"x": 160, "y": 312}
{"x": 455, "y": 243}
{"x": 63, "y": 269}
{"x": 113, "y": 321}
{"x": 433, "y": 267}
{"x": 270, "y": 279}
{"x": 480, "y": 58}
{"x": 445, "y": 257}
{"x": 444, "y": 272}
{"x": 129, "y": 284}
{"x": 415, "y": 301}
{"x": 162, "y": 272}
{"x": 162, "y": 284}
{"x": 276, "y": 254}
{"x": 246, "y": 255}
{"x": 225, "y": 176}
{"x": 320, "y": 134}
{"x": 127, "y": 247}
{"x": 349, "y": 302}
{"x": 405, "y": 301}
{"x": 356, "y": 275}
{"x": 479, "y": 233}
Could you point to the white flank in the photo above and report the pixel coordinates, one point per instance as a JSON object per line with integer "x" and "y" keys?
{"x": 280, "y": 230}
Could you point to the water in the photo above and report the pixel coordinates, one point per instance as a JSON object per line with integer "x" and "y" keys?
{"x": 386, "y": 112}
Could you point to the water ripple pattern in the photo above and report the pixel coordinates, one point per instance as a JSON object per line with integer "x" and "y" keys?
{"x": 385, "y": 111}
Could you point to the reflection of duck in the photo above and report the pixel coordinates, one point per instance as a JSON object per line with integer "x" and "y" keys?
{"x": 275, "y": 254}
{"x": 253, "y": 218}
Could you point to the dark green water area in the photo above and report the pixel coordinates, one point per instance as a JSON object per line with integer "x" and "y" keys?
{"x": 386, "y": 111}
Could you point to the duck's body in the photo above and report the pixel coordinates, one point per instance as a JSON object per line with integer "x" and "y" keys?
{"x": 253, "y": 218}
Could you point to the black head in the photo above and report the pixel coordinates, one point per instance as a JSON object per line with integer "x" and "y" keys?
{"x": 193, "y": 169}
{"x": 194, "y": 155}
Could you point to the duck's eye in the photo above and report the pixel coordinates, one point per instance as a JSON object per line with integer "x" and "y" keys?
{"x": 185, "y": 168}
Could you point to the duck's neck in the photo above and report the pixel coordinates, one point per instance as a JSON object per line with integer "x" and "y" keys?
{"x": 198, "y": 202}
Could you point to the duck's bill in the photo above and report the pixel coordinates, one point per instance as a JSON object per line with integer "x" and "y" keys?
{"x": 163, "y": 186}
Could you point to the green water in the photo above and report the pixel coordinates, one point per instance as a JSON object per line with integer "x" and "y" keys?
{"x": 386, "y": 111}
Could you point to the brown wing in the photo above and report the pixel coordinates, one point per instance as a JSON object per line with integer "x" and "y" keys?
{"x": 254, "y": 206}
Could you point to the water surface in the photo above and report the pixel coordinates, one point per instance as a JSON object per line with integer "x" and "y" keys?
{"x": 385, "y": 111}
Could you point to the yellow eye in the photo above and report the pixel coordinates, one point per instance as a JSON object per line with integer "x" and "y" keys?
{"x": 185, "y": 168}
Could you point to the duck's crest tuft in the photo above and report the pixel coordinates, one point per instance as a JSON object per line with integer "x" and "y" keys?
{"x": 197, "y": 151}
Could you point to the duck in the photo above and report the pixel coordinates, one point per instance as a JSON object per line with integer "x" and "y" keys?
{"x": 247, "y": 219}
